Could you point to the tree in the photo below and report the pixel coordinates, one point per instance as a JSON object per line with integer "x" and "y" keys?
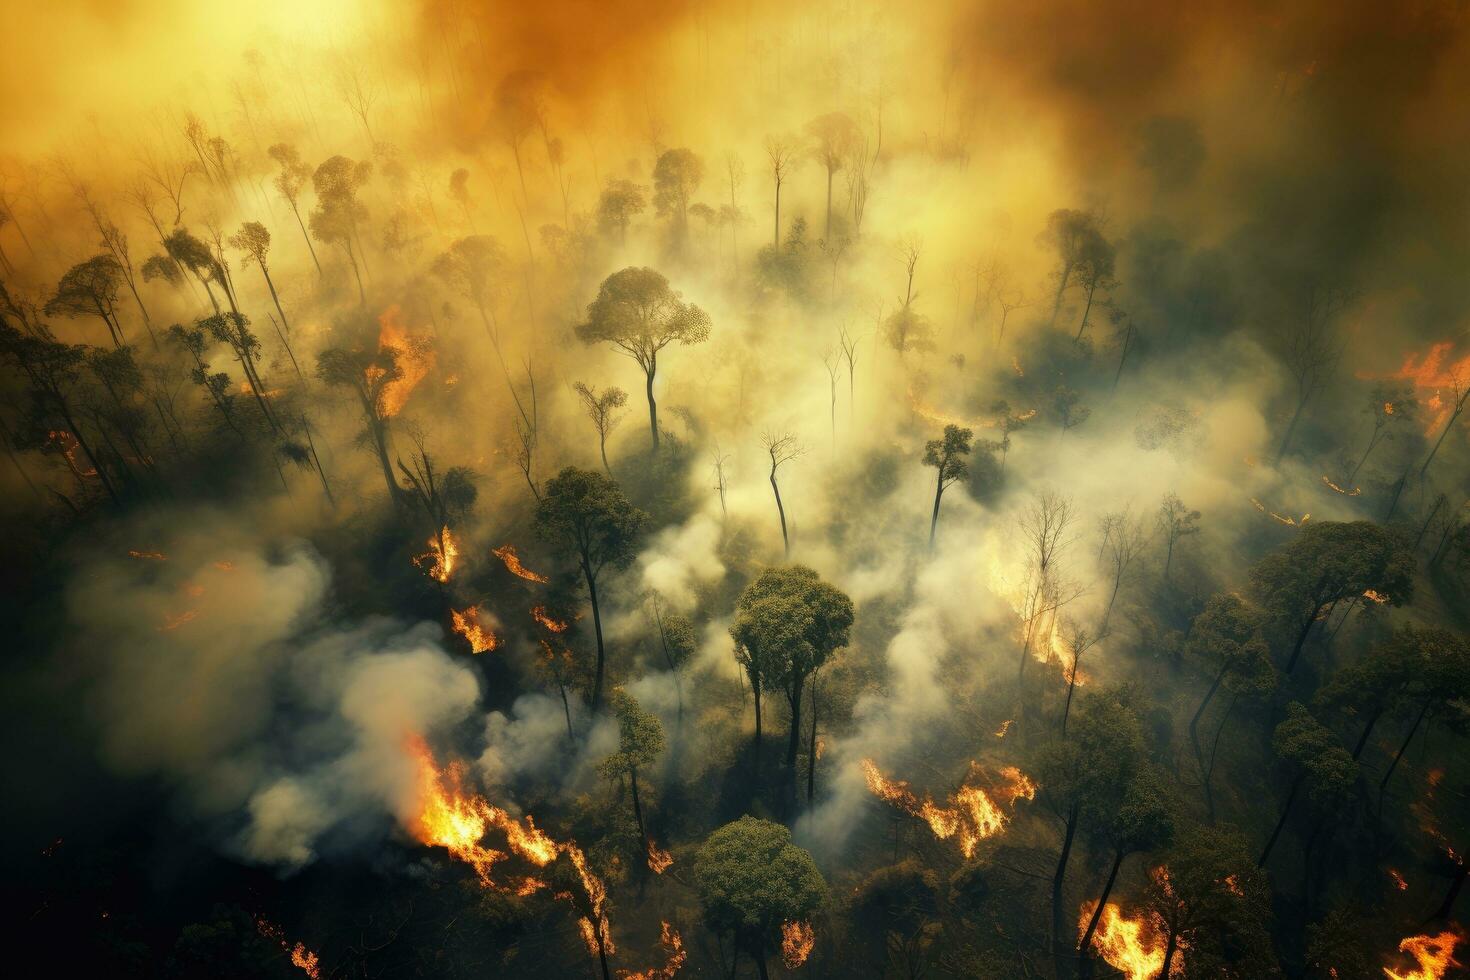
{"x": 1207, "y": 898}
{"x": 1176, "y": 522}
{"x": 90, "y": 288}
{"x": 782, "y": 155}
{"x": 1142, "y": 822}
{"x": 255, "y": 241}
{"x": 1069, "y": 408}
{"x": 768, "y": 630}
{"x": 676, "y": 176}
{"x": 368, "y": 375}
{"x": 233, "y": 330}
{"x": 947, "y": 456}
{"x": 586, "y": 513}
{"x": 620, "y": 202}
{"x": 1086, "y": 772}
{"x": 907, "y": 328}
{"x": 191, "y": 254}
{"x": 782, "y": 449}
{"x": 1094, "y": 272}
{"x": 338, "y": 212}
{"x": 752, "y": 880}
{"x": 1075, "y": 236}
{"x": 834, "y": 136}
{"x": 821, "y": 615}
{"x": 289, "y": 181}
{"x": 1311, "y": 350}
{"x": 1227, "y": 640}
{"x": 1390, "y": 406}
{"x": 1007, "y": 422}
{"x": 679, "y": 642}
{"x": 1326, "y": 563}
{"x": 638, "y": 313}
{"x": 1045, "y": 526}
{"x": 1122, "y": 545}
{"x": 640, "y": 740}
{"x": 602, "y": 409}
{"x": 1317, "y": 762}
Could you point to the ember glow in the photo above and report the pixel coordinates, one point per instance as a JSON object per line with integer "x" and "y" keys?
{"x": 973, "y": 814}
{"x": 302, "y": 958}
{"x": 547, "y": 621}
{"x": 797, "y": 942}
{"x": 414, "y": 357}
{"x": 659, "y": 860}
{"x": 442, "y": 557}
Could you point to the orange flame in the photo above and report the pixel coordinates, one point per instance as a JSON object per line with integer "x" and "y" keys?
{"x": 973, "y": 814}
{"x": 507, "y": 554}
{"x": 1134, "y": 947}
{"x": 467, "y": 624}
{"x": 673, "y": 944}
{"x": 1355, "y": 491}
{"x": 659, "y": 860}
{"x": 302, "y": 958}
{"x": 1433, "y": 956}
{"x": 456, "y": 820}
{"x": 541, "y": 616}
{"x": 797, "y": 940}
{"x": 1005, "y": 726}
{"x": 414, "y": 357}
{"x": 148, "y": 555}
{"x": 1376, "y": 597}
{"x": 1431, "y": 372}
{"x": 172, "y": 622}
{"x": 1398, "y": 880}
{"x": 440, "y": 558}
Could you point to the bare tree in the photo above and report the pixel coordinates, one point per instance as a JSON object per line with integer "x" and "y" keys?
{"x": 832, "y": 361}
{"x": 1461, "y": 387}
{"x": 781, "y": 151}
{"x": 1176, "y": 522}
{"x": 1122, "y": 546}
{"x": 833, "y": 137}
{"x": 721, "y": 484}
{"x": 849, "y": 353}
{"x": 783, "y": 448}
{"x": 289, "y": 182}
{"x": 602, "y": 410}
{"x": 1045, "y": 525}
{"x": 1078, "y": 640}
{"x": 1312, "y": 349}
{"x": 1389, "y": 405}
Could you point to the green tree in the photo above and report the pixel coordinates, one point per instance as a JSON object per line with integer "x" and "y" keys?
{"x": 678, "y": 641}
{"x": 1142, "y": 822}
{"x": 588, "y": 514}
{"x": 1226, "y": 640}
{"x": 751, "y": 880}
{"x": 368, "y": 375}
{"x": 1176, "y": 522}
{"x": 947, "y": 456}
{"x": 620, "y": 202}
{"x": 1318, "y": 763}
{"x": 769, "y": 630}
{"x": 1208, "y": 899}
{"x": 1326, "y": 563}
{"x": 640, "y": 314}
{"x": 602, "y": 409}
{"x": 338, "y": 212}
{"x": 90, "y": 288}
{"x": 640, "y": 740}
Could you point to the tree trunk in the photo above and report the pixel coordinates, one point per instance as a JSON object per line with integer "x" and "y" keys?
{"x": 1169, "y": 951}
{"x": 1301, "y": 638}
{"x": 938, "y": 495}
{"x": 1200, "y": 713}
{"x": 1087, "y": 310}
{"x": 755, "y": 687}
{"x": 793, "y": 738}
{"x": 1061, "y": 873}
{"x": 1056, "y": 306}
{"x": 638, "y": 807}
{"x": 652, "y": 404}
{"x": 597, "y": 629}
{"x": 1371, "y": 443}
{"x": 1367, "y": 730}
{"x": 1448, "y": 905}
{"x": 781, "y": 510}
{"x": 309, "y": 247}
{"x": 1413, "y": 730}
{"x": 1296, "y": 416}
{"x": 1440, "y": 441}
{"x": 811, "y": 765}
{"x": 776, "y": 239}
{"x": 1296, "y": 785}
{"x": 1082, "y": 947}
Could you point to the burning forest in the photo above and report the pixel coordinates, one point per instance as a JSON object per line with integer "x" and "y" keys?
{"x": 736, "y": 489}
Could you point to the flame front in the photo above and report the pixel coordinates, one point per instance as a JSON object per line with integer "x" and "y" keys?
{"x": 507, "y": 554}
{"x": 467, "y": 624}
{"x": 413, "y": 355}
{"x": 1433, "y": 956}
{"x": 540, "y": 615}
{"x": 443, "y": 554}
{"x": 1431, "y": 373}
{"x": 673, "y": 945}
{"x": 973, "y": 814}
{"x": 302, "y": 958}
{"x": 797, "y": 940}
{"x": 659, "y": 860}
{"x": 449, "y": 817}
{"x": 1134, "y": 947}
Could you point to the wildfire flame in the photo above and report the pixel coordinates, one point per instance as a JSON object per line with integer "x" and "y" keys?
{"x": 673, "y": 944}
{"x": 467, "y": 624}
{"x": 440, "y": 559}
{"x": 1433, "y": 956}
{"x": 973, "y": 814}
{"x": 172, "y": 622}
{"x": 1376, "y": 597}
{"x": 1281, "y": 519}
{"x": 659, "y": 860}
{"x": 148, "y": 555}
{"x": 507, "y": 554}
{"x": 449, "y": 817}
{"x": 1431, "y": 372}
{"x": 1398, "y": 880}
{"x": 797, "y": 940}
{"x": 1005, "y": 726}
{"x": 302, "y": 958}
{"x": 541, "y": 616}
{"x": 1134, "y": 947}
{"x": 414, "y": 358}
{"x": 1355, "y": 491}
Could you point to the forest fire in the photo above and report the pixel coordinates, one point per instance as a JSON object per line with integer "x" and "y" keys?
{"x": 148, "y": 555}
{"x": 797, "y": 941}
{"x": 443, "y": 555}
{"x": 659, "y": 860}
{"x": 412, "y": 355}
{"x": 172, "y": 621}
{"x": 1133, "y": 946}
{"x": 507, "y": 554}
{"x": 1398, "y": 880}
{"x": 1005, "y": 727}
{"x": 467, "y": 624}
{"x": 447, "y": 816}
{"x": 302, "y": 958}
{"x": 1433, "y": 372}
{"x": 1433, "y": 956}
{"x": 973, "y": 814}
{"x": 540, "y": 615}
{"x": 673, "y": 945}
{"x": 1354, "y": 492}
